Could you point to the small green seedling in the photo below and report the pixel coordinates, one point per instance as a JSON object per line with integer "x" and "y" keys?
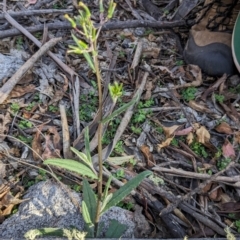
{"x": 52, "y": 108}
{"x": 189, "y": 93}
{"x": 223, "y": 163}
{"x": 219, "y": 98}
{"x": 23, "y": 124}
{"x": 119, "y": 147}
{"x": 199, "y": 149}
{"x": 15, "y": 107}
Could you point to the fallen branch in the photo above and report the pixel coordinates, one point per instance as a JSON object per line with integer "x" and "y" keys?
{"x": 62, "y": 65}
{"x": 202, "y": 176}
{"x": 36, "y": 12}
{"x": 106, "y": 27}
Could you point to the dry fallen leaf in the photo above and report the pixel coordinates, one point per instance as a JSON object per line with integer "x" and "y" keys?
{"x": 169, "y": 131}
{"x": 203, "y": 135}
{"x": 148, "y": 155}
{"x": 198, "y": 107}
{"x": 227, "y": 149}
{"x": 224, "y": 127}
{"x": 166, "y": 143}
{"x": 237, "y": 137}
{"x": 4, "y": 125}
{"x": 37, "y": 145}
{"x": 19, "y": 91}
{"x": 215, "y": 193}
{"x": 190, "y": 138}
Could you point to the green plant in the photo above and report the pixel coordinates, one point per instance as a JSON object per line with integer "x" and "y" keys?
{"x": 38, "y": 35}
{"x": 128, "y": 205}
{"x": 121, "y": 54}
{"x": 76, "y": 187}
{"x": 199, "y": 149}
{"x": 92, "y": 207}
{"x": 52, "y": 108}
{"x": 219, "y": 98}
{"x": 23, "y": 124}
{"x": 156, "y": 180}
{"x": 166, "y": 12}
{"x": 132, "y": 161}
{"x": 174, "y": 142}
{"x": 119, "y": 173}
{"x": 14, "y": 107}
{"x": 119, "y": 147}
{"x": 145, "y": 104}
{"x": 159, "y": 130}
{"x": 30, "y": 106}
{"x": 179, "y": 62}
{"x": 25, "y": 139}
{"x": 89, "y": 203}
{"x": 189, "y": 93}
{"x": 136, "y": 130}
{"x": 109, "y": 134}
{"x": 139, "y": 117}
{"x": 88, "y": 106}
{"x": 237, "y": 224}
{"x": 148, "y": 31}
{"x": 19, "y": 42}
{"x": 222, "y": 163}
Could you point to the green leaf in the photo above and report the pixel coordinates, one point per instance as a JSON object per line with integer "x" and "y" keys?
{"x": 107, "y": 187}
{"x": 115, "y": 229}
{"x": 111, "y": 9}
{"x": 87, "y": 145}
{"x": 120, "y": 110}
{"x": 86, "y": 215}
{"x": 72, "y": 165}
{"x": 89, "y": 60}
{"x": 235, "y": 43}
{"x": 90, "y": 199}
{"x": 105, "y": 202}
{"x": 33, "y": 233}
{"x": 81, "y": 45}
{"x": 126, "y": 189}
{"x": 82, "y": 156}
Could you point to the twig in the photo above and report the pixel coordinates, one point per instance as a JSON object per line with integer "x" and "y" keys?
{"x": 65, "y": 132}
{"x": 10, "y": 84}
{"x": 187, "y": 174}
{"x": 36, "y": 12}
{"x": 39, "y": 44}
{"x": 198, "y": 189}
{"x": 106, "y": 26}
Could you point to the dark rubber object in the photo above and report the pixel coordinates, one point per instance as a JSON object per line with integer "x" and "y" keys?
{"x": 215, "y": 59}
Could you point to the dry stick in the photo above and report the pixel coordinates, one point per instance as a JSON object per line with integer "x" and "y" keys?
{"x": 36, "y": 12}
{"x": 106, "y": 27}
{"x": 65, "y": 132}
{"x": 10, "y": 84}
{"x": 198, "y": 189}
{"x": 155, "y": 190}
{"x": 39, "y": 44}
{"x": 202, "y": 176}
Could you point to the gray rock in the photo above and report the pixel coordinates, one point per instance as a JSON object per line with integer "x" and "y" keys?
{"x": 9, "y": 64}
{"x": 49, "y": 205}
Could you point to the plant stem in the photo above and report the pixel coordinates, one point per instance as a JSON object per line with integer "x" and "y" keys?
{"x": 98, "y": 75}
